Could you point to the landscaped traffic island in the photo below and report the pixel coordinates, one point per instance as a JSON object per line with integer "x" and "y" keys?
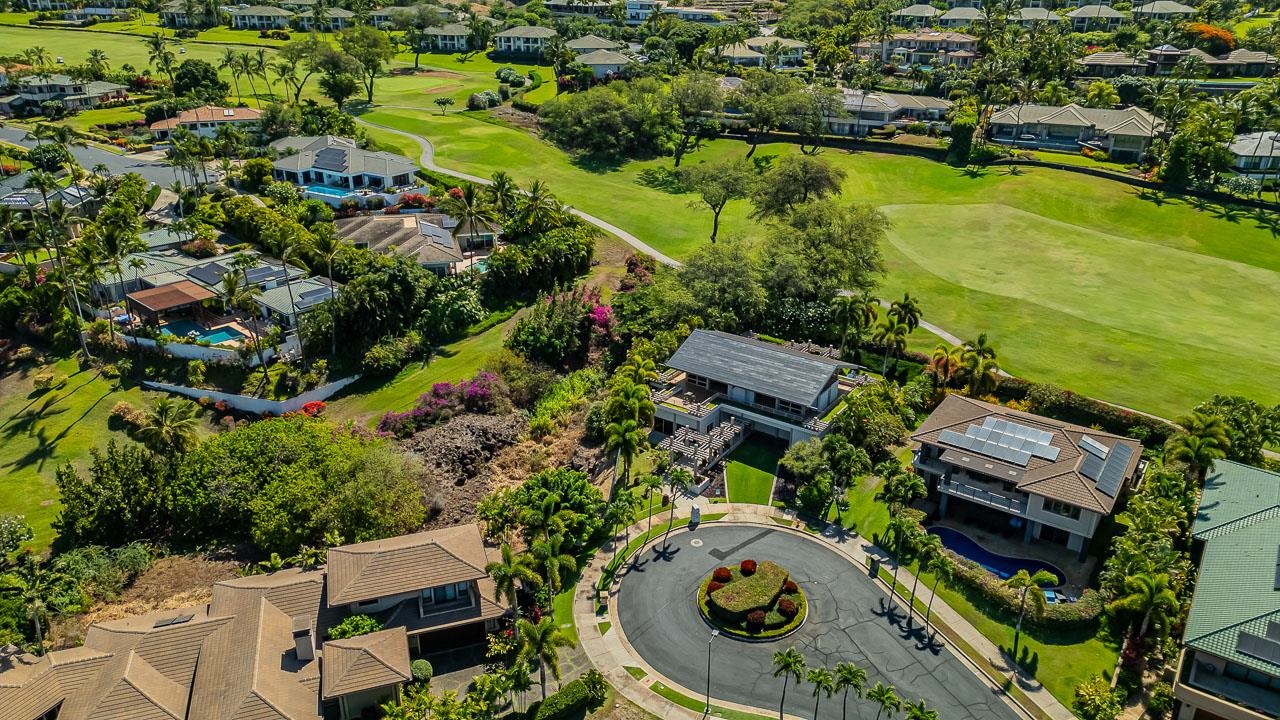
{"x": 753, "y": 600}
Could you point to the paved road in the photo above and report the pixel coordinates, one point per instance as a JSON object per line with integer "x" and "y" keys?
{"x": 157, "y": 172}
{"x": 657, "y": 608}
{"x": 428, "y": 160}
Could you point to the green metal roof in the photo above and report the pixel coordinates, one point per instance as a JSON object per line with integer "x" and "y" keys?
{"x": 1239, "y": 519}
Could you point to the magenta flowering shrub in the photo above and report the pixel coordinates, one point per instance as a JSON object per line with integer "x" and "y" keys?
{"x": 442, "y": 402}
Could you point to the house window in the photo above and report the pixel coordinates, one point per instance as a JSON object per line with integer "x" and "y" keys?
{"x": 698, "y": 381}
{"x": 1064, "y": 509}
{"x": 446, "y": 597}
{"x": 787, "y": 406}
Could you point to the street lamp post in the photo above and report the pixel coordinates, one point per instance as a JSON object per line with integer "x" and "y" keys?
{"x": 714, "y": 634}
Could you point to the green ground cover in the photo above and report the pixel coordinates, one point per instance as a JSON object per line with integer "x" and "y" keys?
{"x": 87, "y": 119}
{"x": 700, "y": 705}
{"x": 749, "y": 471}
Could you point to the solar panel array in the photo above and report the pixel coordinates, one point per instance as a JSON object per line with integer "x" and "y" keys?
{"x": 176, "y": 620}
{"x": 1093, "y": 447}
{"x": 334, "y": 159}
{"x": 1264, "y": 649}
{"x": 1003, "y": 440}
{"x": 1277, "y": 572}
{"x": 1112, "y": 475}
{"x": 263, "y": 273}
{"x": 311, "y": 297}
{"x": 210, "y": 274}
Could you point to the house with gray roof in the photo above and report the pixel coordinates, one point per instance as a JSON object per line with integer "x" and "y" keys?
{"x": 1123, "y": 133}
{"x": 1163, "y": 10}
{"x": 335, "y": 19}
{"x": 718, "y": 387}
{"x": 1028, "y": 16}
{"x": 789, "y": 50}
{"x": 259, "y": 649}
{"x": 591, "y": 43}
{"x": 437, "y": 242}
{"x": 73, "y": 94}
{"x": 864, "y": 111}
{"x": 286, "y": 303}
{"x": 1257, "y": 155}
{"x": 604, "y": 63}
{"x": 331, "y": 162}
{"x": 1095, "y": 17}
{"x": 260, "y": 17}
{"x": 958, "y": 17}
{"x": 450, "y": 37}
{"x": 523, "y": 40}
{"x": 914, "y": 16}
{"x": 1050, "y": 480}
{"x": 1230, "y": 663}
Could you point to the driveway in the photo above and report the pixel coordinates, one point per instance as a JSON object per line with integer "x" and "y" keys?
{"x": 656, "y": 606}
{"x": 159, "y": 173}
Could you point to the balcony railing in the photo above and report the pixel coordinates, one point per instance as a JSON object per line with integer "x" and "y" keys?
{"x": 984, "y": 496}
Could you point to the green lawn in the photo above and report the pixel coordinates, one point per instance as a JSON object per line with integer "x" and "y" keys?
{"x": 87, "y": 119}
{"x": 40, "y": 431}
{"x": 749, "y": 471}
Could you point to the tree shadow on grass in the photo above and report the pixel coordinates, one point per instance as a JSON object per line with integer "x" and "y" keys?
{"x": 1268, "y": 221}
{"x": 597, "y": 164}
{"x": 1028, "y": 663}
{"x": 663, "y": 178}
{"x": 1155, "y": 197}
{"x": 973, "y": 172}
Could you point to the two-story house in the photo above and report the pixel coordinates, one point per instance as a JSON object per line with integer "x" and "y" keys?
{"x": 1053, "y": 480}
{"x": 523, "y": 40}
{"x": 260, "y": 17}
{"x": 259, "y": 647}
{"x": 1163, "y": 11}
{"x": 930, "y": 47}
{"x": 317, "y": 162}
{"x": 718, "y": 387}
{"x": 1257, "y": 155}
{"x": 639, "y": 11}
{"x": 1087, "y": 18}
{"x": 914, "y": 16}
{"x": 333, "y": 19}
{"x": 450, "y": 37}
{"x": 73, "y": 94}
{"x": 205, "y": 120}
{"x": 790, "y": 52}
{"x": 1230, "y": 664}
{"x": 864, "y": 111}
{"x": 1124, "y": 134}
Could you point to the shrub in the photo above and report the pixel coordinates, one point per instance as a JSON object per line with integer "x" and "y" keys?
{"x": 421, "y": 670}
{"x": 722, "y": 575}
{"x": 748, "y": 568}
{"x": 129, "y": 416}
{"x": 195, "y": 371}
{"x": 571, "y": 698}
{"x": 389, "y": 354}
{"x": 1161, "y": 701}
{"x": 1097, "y": 700}
{"x": 787, "y": 608}
{"x": 714, "y": 586}
{"x": 789, "y": 587}
{"x": 977, "y": 579}
{"x": 201, "y": 247}
{"x": 755, "y": 620}
{"x": 755, "y": 592}
{"x": 44, "y": 381}
{"x": 353, "y": 626}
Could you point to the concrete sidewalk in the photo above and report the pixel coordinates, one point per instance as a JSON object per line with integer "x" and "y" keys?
{"x": 611, "y": 653}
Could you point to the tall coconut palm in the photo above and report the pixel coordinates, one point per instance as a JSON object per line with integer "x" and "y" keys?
{"x": 649, "y": 485}
{"x": 940, "y": 567}
{"x": 907, "y": 311}
{"x": 54, "y": 230}
{"x": 170, "y": 427}
{"x": 470, "y": 208}
{"x": 849, "y": 677}
{"x": 926, "y": 547}
{"x": 230, "y": 61}
{"x": 946, "y": 362}
{"x": 1203, "y": 440}
{"x": 630, "y": 400}
{"x": 853, "y": 312}
{"x": 678, "y": 481}
{"x": 290, "y": 251}
{"x": 788, "y": 664}
{"x": 509, "y": 573}
{"x": 900, "y": 487}
{"x": 326, "y": 245}
{"x": 619, "y": 512}
{"x": 886, "y": 698}
{"x": 503, "y": 193}
{"x": 1150, "y": 597}
{"x": 903, "y": 530}
{"x": 557, "y": 564}
{"x": 238, "y": 294}
{"x": 626, "y": 438}
{"x": 1029, "y": 587}
{"x": 919, "y": 711}
{"x": 13, "y": 225}
{"x": 540, "y": 644}
{"x": 823, "y": 682}
{"x": 892, "y": 334}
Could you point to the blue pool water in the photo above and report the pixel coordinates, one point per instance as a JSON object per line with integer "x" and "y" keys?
{"x": 480, "y": 266}
{"x": 326, "y": 190}
{"x": 1003, "y": 567}
{"x": 183, "y": 328}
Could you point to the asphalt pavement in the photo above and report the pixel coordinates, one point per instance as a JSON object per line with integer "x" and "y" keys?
{"x": 848, "y": 620}
{"x": 159, "y": 173}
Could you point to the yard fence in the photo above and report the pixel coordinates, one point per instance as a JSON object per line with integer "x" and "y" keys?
{"x": 254, "y": 405}
{"x": 211, "y": 353}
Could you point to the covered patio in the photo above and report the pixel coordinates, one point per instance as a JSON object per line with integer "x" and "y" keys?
{"x": 151, "y": 303}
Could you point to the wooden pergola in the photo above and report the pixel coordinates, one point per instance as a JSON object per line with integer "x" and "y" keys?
{"x": 150, "y": 303}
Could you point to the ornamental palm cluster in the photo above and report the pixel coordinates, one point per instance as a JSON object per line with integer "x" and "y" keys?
{"x": 844, "y": 678}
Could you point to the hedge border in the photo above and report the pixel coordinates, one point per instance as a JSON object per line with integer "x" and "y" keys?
{"x": 802, "y": 603}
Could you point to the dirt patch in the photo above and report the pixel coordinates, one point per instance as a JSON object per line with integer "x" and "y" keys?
{"x": 565, "y": 448}
{"x": 458, "y": 462}
{"x": 519, "y": 118}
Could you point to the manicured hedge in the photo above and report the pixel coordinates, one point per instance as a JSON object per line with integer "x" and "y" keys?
{"x": 749, "y": 592}
{"x": 1083, "y": 612}
{"x": 590, "y": 689}
{"x": 1083, "y": 410}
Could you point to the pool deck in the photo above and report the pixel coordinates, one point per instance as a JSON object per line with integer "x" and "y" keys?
{"x": 1077, "y": 572}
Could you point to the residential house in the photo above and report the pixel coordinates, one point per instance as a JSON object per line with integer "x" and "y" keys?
{"x": 930, "y": 47}
{"x": 709, "y": 16}
{"x": 1085, "y": 3}
{"x": 717, "y": 388}
{"x": 258, "y": 648}
{"x": 73, "y": 94}
{"x": 638, "y": 11}
{"x": 435, "y": 241}
{"x": 29, "y": 201}
{"x": 1112, "y": 63}
{"x": 523, "y": 40}
{"x": 1163, "y": 11}
{"x": 1164, "y": 59}
{"x": 260, "y": 17}
{"x": 963, "y": 3}
{"x": 914, "y": 16}
{"x": 742, "y": 56}
{"x": 962, "y": 16}
{"x": 162, "y": 267}
{"x": 48, "y": 5}
{"x": 1053, "y": 480}
{"x": 864, "y": 111}
{"x": 327, "y": 161}
{"x": 1230, "y": 663}
{"x": 1124, "y": 134}
{"x": 335, "y": 19}
{"x": 591, "y": 43}
{"x": 1029, "y": 16}
{"x": 1087, "y": 18}
{"x": 452, "y": 37}
{"x": 286, "y": 303}
{"x": 603, "y": 63}
{"x": 573, "y": 8}
{"x": 174, "y": 15}
{"x": 790, "y": 52}
{"x": 1257, "y": 155}
{"x": 205, "y": 120}
{"x": 300, "y": 6}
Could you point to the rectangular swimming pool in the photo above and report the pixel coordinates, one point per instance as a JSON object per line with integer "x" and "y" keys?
{"x": 327, "y": 191}
{"x": 186, "y": 328}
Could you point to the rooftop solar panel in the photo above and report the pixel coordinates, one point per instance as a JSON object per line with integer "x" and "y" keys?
{"x": 331, "y": 159}
{"x": 210, "y": 274}
{"x": 1112, "y": 475}
{"x": 1092, "y": 466}
{"x": 1259, "y": 647}
{"x": 1093, "y": 447}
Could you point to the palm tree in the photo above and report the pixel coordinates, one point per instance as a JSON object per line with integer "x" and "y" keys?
{"x": 855, "y": 312}
{"x": 1149, "y": 596}
{"x": 849, "y": 677}
{"x": 907, "y": 311}
{"x": 626, "y": 438}
{"x": 940, "y": 567}
{"x": 884, "y": 696}
{"x": 539, "y": 210}
{"x": 926, "y": 547}
{"x": 97, "y": 62}
{"x": 981, "y": 370}
{"x": 650, "y": 484}
{"x": 630, "y": 399}
{"x": 903, "y": 530}
{"x": 822, "y": 682}
{"x": 13, "y": 224}
{"x": 326, "y": 245}
{"x": 237, "y": 293}
{"x": 503, "y": 193}
{"x": 556, "y": 564}
{"x": 789, "y": 664}
{"x": 170, "y": 426}
{"x": 231, "y": 61}
{"x": 919, "y": 711}
{"x": 471, "y": 209}
{"x": 901, "y": 486}
{"x": 509, "y": 572}
{"x": 619, "y": 513}
{"x": 159, "y": 55}
{"x": 1031, "y": 586}
{"x": 540, "y": 643}
{"x": 677, "y": 481}
{"x": 945, "y": 363}
{"x": 39, "y": 588}
{"x": 518, "y": 678}
{"x": 53, "y": 230}
{"x": 248, "y": 68}
{"x": 892, "y": 334}
{"x": 1203, "y": 440}
{"x": 290, "y": 249}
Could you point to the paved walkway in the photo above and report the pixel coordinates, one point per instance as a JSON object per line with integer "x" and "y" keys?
{"x": 612, "y": 653}
{"x": 428, "y": 160}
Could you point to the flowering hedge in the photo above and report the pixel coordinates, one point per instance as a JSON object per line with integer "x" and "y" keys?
{"x": 973, "y": 576}
{"x": 443, "y": 402}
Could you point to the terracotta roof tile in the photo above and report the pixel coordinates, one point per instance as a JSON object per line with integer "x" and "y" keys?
{"x": 408, "y": 563}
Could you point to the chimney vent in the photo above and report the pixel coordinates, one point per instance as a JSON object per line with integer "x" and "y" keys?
{"x": 303, "y": 640}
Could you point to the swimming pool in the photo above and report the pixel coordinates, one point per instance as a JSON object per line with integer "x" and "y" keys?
{"x": 184, "y": 328}
{"x": 1002, "y": 566}
{"x": 327, "y": 191}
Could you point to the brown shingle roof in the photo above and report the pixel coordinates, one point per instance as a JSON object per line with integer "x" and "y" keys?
{"x": 365, "y": 662}
{"x": 382, "y": 568}
{"x": 30, "y": 686}
{"x": 168, "y": 297}
{"x": 1059, "y": 479}
{"x": 208, "y": 113}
